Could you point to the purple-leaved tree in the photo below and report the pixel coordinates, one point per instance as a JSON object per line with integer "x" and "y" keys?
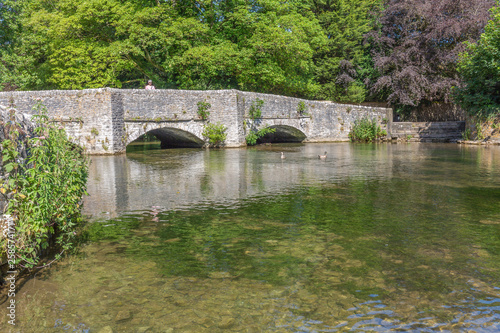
{"x": 416, "y": 45}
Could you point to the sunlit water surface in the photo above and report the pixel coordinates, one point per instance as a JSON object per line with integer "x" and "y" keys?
{"x": 381, "y": 237}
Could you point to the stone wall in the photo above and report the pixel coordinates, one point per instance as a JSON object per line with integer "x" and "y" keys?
{"x": 450, "y": 131}
{"x": 105, "y": 120}
{"x": 86, "y": 114}
{"x": 436, "y": 112}
{"x": 480, "y": 130}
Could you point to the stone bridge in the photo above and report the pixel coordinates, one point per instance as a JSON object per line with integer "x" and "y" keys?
{"x": 106, "y": 120}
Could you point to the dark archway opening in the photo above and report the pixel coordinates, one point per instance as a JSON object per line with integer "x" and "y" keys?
{"x": 164, "y": 138}
{"x": 176, "y": 138}
{"x": 283, "y": 133}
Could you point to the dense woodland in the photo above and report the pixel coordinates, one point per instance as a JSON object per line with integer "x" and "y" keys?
{"x": 403, "y": 52}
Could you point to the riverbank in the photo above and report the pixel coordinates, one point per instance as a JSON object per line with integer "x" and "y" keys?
{"x": 494, "y": 142}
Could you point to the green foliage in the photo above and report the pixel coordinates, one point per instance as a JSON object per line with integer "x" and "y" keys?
{"x": 366, "y": 130}
{"x": 301, "y": 108}
{"x": 202, "y": 109}
{"x": 215, "y": 133}
{"x": 479, "y": 67}
{"x": 479, "y": 130}
{"x": 17, "y": 59}
{"x": 466, "y": 135}
{"x": 48, "y": 187}
{"x": 253, "y": 136}
{"x": 255, "y": 110}
{"x": 148, "y": 137}
{"x": 67, "y": 44}
{"x": 344, "y": 63}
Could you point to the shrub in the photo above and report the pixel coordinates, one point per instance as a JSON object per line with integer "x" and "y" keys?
{"x": 301, "y": 108}
{"x": 215, "y": 133}
{"x": 365, "y": 130}
{"x": 466, "y": 135}
{"x": 47, "y": 188}
{"x": 202, "y": 109}
{"x": 256, "y": 109}
{"x": 480, "y": 71}
{"x": 253, "y": 136}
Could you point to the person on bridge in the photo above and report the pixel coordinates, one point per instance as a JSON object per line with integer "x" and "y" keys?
{"x": 150, "y": 86}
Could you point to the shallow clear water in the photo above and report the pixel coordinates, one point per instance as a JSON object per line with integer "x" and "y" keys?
{"x": 381, "y": 237}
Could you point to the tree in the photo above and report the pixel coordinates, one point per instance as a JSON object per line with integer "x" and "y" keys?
{"x": 344, "y": 62}
{"x": 416, "y": 47}
{"x": 264, "y": 46}
{"x": 16, "y": 62}
{"x": 479, "y": 67}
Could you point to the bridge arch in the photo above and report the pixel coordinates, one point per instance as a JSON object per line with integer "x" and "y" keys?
{"x": 169, "y": 136}
{"x": 177, "y": 138}
{"x": 283, "y": 133}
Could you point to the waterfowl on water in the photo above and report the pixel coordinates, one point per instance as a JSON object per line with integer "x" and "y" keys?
{"x": 283, "y": 155}
{"x": 322, "y": 157}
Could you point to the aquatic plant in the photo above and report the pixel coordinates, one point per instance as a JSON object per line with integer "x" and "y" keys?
{"x": 46, "y": 192}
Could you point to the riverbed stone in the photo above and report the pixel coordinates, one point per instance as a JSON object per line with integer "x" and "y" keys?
{"x": 123, "y": 315}
{"x": 106, "y": 329}
{"x": 226, "y": 322}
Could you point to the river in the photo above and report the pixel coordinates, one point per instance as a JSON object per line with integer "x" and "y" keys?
{"x": 377, "y": 237}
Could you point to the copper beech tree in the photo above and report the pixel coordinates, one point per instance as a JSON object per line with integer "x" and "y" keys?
{"x": 417, "y": 44}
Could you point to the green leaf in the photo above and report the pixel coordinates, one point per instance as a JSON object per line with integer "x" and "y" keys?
{"x": 9, "y": 167}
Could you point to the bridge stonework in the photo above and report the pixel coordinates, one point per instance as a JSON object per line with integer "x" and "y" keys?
{"x": 106, "y": 120}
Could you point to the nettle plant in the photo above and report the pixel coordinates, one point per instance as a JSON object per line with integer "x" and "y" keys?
{"x": 48, "y": 187}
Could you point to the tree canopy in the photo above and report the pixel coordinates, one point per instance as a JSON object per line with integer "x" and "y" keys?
{"x": 403, "y": 52}
{"x": 480, "y": 68}
{"x": 416, "y": 47}
{"x": 266, "y": 46}
{"x": 344, "y": 63}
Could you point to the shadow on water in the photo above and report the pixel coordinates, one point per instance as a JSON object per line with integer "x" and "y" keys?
{"x": 377, "y": 238}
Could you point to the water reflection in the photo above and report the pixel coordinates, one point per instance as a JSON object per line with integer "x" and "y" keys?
{"x": 179, "y": 178}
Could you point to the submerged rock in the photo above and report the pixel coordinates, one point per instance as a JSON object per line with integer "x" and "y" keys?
{"x": 227, "y": 322}
{"x": 123, "y": 315}
{"x": 106, "y": 329}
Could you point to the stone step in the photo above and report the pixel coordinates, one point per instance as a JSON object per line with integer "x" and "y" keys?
{"x": 442, "y": 131}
